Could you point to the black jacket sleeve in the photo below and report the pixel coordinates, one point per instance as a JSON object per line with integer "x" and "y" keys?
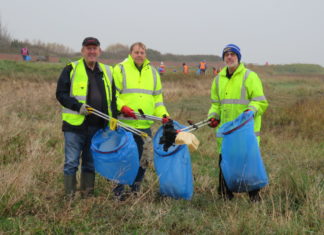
{"x": 63, "y": 91}
{"x": 114, "y": 100}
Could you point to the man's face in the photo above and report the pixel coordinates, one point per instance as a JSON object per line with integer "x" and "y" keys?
{"x": 231, "y": 59}
{"x": 138, "y": 54}
{"x": 91, "y": 53}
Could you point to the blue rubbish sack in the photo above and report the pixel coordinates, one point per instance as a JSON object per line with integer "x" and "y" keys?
{"x": 173, "y": 168}
{"x": 28, "y": 58}
{"x": 115, "y": 155}
{"x": 241, "y": 164}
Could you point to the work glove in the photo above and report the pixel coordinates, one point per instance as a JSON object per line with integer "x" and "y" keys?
{"x": 165, "y": 119}
{"x": 213, "y": 122}
{"x": 248, "y": 110}
{"x": 128, "y": 112}
{"x": 83, "y": 110}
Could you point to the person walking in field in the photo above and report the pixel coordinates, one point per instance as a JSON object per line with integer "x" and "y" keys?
{"x": 185, "y": 68}
{"x": 138, "y": 86}
{"x": 24, "y": 53}
{"x": 214, "y": 71}
{"x": 202, "y": 67}
{"x": 235, "y": 90}
{"x": 85, "y": 81}
{"x": 162, "y": 68}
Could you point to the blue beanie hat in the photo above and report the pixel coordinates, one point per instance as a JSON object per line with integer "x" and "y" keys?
{"x": 232, "y": 48}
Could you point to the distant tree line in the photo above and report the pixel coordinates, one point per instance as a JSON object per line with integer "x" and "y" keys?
{"x": 115, "y": 51}
{"x": 120, "y": 51}
{"x": 4, "y": 37}
{"x": 9, "y": 45}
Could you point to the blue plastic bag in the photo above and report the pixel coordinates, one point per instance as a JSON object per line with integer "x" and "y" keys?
{"x": 241, "y": 164}
{"x": 173, "y": 168}
{"x": 115, "y": 155}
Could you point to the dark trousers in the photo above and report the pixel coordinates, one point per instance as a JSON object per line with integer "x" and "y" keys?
{"x": 141, "y": 171}
{"x": 224, "y": 191}
{"x": 139, "y": 142}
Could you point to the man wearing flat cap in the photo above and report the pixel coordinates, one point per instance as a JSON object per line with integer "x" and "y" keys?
{"x": 235, "y": 90}
{"x": 84, "y": 82}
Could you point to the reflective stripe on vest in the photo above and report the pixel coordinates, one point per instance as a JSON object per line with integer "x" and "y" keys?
{"x": 66, "y": 110}
{"x": 84, "y": 98}
{"x": 242, "y": 100}
{"x": 125, "y": 90}
{"x": 216, "y": 115}
{"x": 159, "y": 104}
{"x": 73, "y": 75}
{"x": 109, "y": 73}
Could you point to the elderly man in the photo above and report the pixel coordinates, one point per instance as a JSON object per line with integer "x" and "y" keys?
{"x": 235, "y": 90}
{"x": 85, "y": 81}
{"x": 138, "y": 86}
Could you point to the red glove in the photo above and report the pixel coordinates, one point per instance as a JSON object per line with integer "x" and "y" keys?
{"x": 128, "y": 112}
{"x": 249, "y": 110}
{"x": 165, "y": 119}
{"x": 213, "y": 122}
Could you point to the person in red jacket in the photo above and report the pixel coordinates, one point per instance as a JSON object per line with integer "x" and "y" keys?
{"x": 24, "y": 53}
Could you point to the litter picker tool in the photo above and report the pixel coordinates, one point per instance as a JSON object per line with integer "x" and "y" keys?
{"x": 114, "y": 122}
{"x": 172, "y": 136}
{"x": 142, "y": 115}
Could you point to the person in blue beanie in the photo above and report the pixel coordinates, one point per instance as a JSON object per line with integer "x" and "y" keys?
{"x": 235, "y": 90}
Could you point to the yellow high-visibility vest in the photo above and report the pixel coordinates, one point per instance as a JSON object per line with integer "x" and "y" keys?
{"x": 139, "y": 90}
{"x": 231, "y": 97}
{"x": 79, "y": 90}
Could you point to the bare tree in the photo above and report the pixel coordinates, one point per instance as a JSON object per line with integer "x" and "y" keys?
{"x": 5, "y": 38}
{"x": 117, "y": 48}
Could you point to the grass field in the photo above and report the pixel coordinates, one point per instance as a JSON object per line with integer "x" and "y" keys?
{"x": 31, "y": 162}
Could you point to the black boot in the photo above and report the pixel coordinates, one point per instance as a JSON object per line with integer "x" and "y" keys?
{"x": 120, "y": 193}
{"x": 223, "y": 190}
{"x": 255, "y": 195}
{"x": 87, "y": 184}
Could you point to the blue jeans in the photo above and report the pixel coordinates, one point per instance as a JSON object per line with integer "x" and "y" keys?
{"x": 78, "y": 145}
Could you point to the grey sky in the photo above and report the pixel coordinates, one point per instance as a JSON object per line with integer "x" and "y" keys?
{"x": 277, "y": 31}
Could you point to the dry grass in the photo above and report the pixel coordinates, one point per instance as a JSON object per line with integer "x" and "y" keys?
{"x": 31, "y": 161}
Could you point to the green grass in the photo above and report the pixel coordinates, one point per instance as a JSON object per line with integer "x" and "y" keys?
{"x": 31, "y": 161}
{"x": 31, "y": 71}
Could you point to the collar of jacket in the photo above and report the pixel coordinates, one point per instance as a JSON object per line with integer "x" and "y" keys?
{"x": 238, "y": 70}
{"x": 132, "y": 62}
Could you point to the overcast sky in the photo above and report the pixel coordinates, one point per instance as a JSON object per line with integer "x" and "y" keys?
{"x": 277, "y": 31}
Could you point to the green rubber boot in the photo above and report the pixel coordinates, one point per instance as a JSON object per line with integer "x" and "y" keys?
{"x": 70, "y": 185}
{"x": 87, "y": 184}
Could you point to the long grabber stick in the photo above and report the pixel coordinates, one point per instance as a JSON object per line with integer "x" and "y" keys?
{"x": 119, "y": 123}
{"x": 195, "y": 126}
{"x": 142, "y": 115}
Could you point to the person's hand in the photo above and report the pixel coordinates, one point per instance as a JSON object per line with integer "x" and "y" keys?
{"x": 165, "y": 119}
{"x": 248, "y": 110}
{"x": 128, "y": 112}
{"x": 213, "y": 122}
{"x": 83, "y": 110}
